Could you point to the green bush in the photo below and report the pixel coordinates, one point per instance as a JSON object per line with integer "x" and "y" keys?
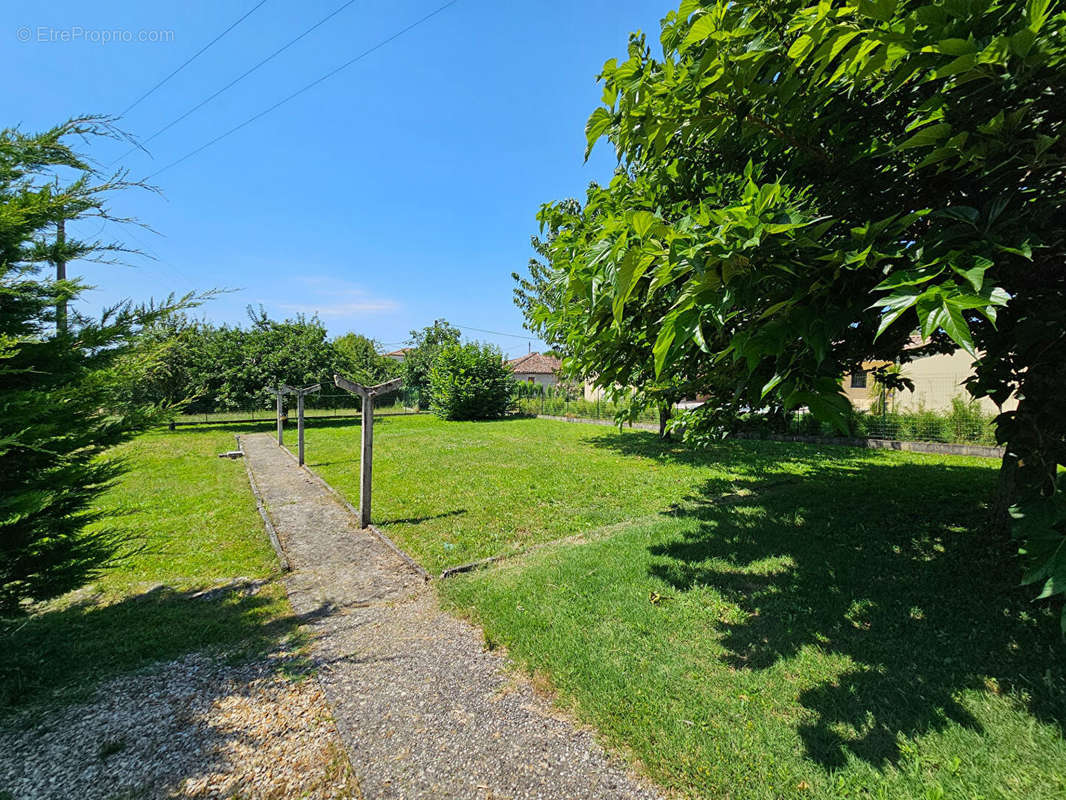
{"x": 470, "y": 381}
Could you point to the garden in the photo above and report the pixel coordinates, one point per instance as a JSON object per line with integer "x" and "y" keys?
{"x": 756, "y": 619}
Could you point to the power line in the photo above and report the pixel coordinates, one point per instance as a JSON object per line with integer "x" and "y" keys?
{"x": 309, "y": 86}
{"x": 498, "y": 333}
{"x": 238, "y": 79}
{"x": 195, "y": 56}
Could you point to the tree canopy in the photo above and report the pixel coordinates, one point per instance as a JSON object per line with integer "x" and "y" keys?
{"x": 805, "y": 187}
{"x": 60, "y": 408}
{"x": 418, "y": 360}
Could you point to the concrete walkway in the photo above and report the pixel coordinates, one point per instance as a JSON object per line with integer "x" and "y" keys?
{"x": 424, "y": 710}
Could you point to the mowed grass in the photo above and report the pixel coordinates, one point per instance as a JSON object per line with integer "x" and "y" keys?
{"x": 756, "y": 620}
{"x": 455, "y": 492}
{"x": 190, "y": 523}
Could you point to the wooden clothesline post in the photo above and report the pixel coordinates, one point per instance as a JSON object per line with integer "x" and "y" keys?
{"x": 300, "y": 418}
{"x": 281, "y": 391}
{"x": 366, "y": 459}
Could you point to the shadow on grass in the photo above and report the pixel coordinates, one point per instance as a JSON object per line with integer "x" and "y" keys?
{"x": 881, "y": 561}
{"x": 62, "y": 654}
{"x": 416, "y": 520}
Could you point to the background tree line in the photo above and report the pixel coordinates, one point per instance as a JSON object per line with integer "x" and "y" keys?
{"x": 198, "y": 366}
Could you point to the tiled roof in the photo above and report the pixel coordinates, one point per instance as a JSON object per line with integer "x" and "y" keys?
{"x": 535, "y": 364}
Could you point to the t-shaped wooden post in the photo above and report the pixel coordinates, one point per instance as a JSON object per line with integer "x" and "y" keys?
{"x": 300, "y": 418}
{"x": 366, "y": 459}
{"x": 280, "y": 393}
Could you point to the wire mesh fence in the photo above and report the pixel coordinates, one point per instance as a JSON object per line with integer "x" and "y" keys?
{"x": 576, "y": 407}
{"x": 334, "y": 404}
{"x": 967, "y": 426}
{"x": 964, "y": 422}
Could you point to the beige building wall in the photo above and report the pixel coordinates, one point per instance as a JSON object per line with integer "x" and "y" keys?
{"x": 937, "y": 379}
{"x": 592, "y": 393}
{"x": 537, "y": 379}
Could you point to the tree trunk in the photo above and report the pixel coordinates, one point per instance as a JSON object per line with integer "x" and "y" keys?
{"x": 664, "y": 417}
{"x": 1006, "y": 490}
{"x": 1030, "y": 463}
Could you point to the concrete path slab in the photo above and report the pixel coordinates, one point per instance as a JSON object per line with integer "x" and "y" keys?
{"x": 423, "y": 709}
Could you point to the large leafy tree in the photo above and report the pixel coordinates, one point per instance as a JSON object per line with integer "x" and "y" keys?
{"x": 803, "y": 187}
{"x": 424, "y": 346}
{"x": 361, "y": 359}
{"x": 59, "y": 408}
{"x": 608, "y": 341}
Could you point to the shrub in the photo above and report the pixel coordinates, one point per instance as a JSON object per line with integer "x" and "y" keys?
{"x": 470, "y": 381}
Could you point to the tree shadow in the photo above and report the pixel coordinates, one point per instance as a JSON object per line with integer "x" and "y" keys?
{"x": 882, "y": 562}
{"x": 130, "y": 699}
{"x": 63, "y": 653}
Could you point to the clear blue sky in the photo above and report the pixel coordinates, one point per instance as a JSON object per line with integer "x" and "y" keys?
{"x": 400, "y": 190}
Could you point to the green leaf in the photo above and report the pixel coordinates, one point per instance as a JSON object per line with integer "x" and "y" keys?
{"x": 910, "y": 277}
{"x": 700, "y": 30}
{"x": 599, "y": 121}
{"x": 1037, "y": 13}
{"x": 954, "y": 325}
{"x": 975, "y": 275}
{"x": 801, "y": 47}
{"x": 905, "y": 298}
{"x": 878, "y": 9}
{"x": 663, "y": 342}
{"x": 954, "y": 67}
{"x": 966, "y": 214}
{"x": 887, "y": 319}
{"x": 771, "y": 384}
{"x": 1022, "y": 42}
{"x": 927, "y": 136}
{"x": 634, "y": 265}
{"x": 956, "y": 47}
{"x": 642, "y": 222}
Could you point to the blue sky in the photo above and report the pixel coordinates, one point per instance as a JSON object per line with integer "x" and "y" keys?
{"x": 401, "y": 190}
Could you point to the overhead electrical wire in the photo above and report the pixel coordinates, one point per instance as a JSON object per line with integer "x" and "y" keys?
{"x": 192, "y": 58}
{"x": 498, "y": 333}
{"x": 306, "y": 88}
{"x": 238, "y": 79}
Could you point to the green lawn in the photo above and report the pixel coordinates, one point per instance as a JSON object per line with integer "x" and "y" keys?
{"x": 191, "y": 524}
{"x": 757, "y": 620}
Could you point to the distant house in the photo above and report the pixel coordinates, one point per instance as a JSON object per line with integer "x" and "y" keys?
{"x": 536, "y": 368}
{"x": 937, "y": 379}
{"x": 399, "y": 355}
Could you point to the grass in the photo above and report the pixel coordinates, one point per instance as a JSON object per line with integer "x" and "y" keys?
{"x": 192, "y": 525}
{"x": 757, "y": 620}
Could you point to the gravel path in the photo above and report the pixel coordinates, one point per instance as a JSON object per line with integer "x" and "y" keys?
{"x": 424, "y": 710}
{"x": 195, "y": 728}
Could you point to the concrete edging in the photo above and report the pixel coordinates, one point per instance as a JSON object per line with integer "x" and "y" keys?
{"x": 275, "y": 542}
{"x": 355, "y": 511}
